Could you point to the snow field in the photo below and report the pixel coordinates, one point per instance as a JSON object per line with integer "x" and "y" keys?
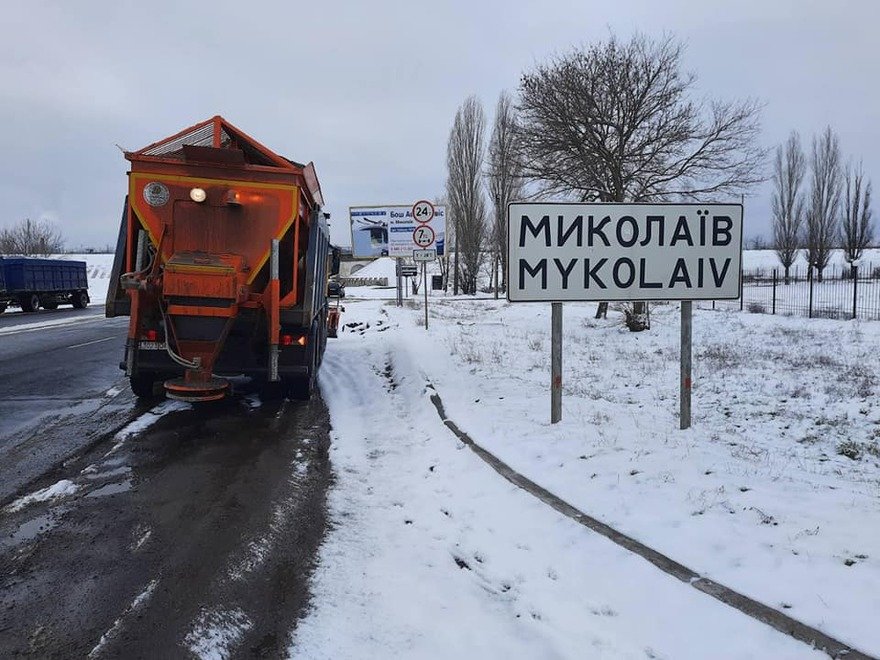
{"x": 755, "y": 496}
{"x": 433, "y": 555}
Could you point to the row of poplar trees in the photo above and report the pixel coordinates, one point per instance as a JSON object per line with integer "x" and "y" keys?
{"x": 832, "y": 210}
{"x": 616, "y": 121}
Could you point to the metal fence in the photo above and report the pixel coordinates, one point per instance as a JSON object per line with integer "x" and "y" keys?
{"x": 843, "y": 292}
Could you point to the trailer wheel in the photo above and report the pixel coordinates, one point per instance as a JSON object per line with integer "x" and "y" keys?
{"x": 30, "y": 303}
{"x": 143, "y": 386}
{"x": 80, "y": 300}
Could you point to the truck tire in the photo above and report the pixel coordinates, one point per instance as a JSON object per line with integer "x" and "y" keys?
{"x": 80, "y": 299}
{"x": 30, "y": 303}
{"x": 143, "y": 386}
{"x": 300, "y": 388}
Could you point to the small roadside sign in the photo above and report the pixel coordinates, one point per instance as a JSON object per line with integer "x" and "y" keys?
{"x": 407, "y": 270}
{"x": 423, "y": 236}
{"x": 423, "y": 211}
{"x": 429, "y": 254}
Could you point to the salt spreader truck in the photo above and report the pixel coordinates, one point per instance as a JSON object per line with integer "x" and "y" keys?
{"x": 222, "y": 264}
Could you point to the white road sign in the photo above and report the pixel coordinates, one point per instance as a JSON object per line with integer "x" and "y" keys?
{"x": 429, "y": 254}
{"x": 423, "y": 211}
{"x": 402, "y": 227}
{"x": 559, "y": 251}
{"x": 423, "y": 236}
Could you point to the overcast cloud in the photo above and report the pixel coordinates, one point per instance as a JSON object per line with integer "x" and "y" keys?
{"x": 368, "y": 90}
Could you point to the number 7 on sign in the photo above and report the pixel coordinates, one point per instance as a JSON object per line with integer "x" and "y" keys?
{"x": 423, "y": 236}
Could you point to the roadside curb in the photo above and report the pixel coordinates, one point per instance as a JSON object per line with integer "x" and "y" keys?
{"x": 748, "y": 606}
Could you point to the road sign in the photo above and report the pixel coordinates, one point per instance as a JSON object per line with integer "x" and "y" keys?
{"x": 423, "y": 211}
{"x": 402, "y": 224}
{"x": 429, "y": 254}
{"x": 423, "y": 236}
{"x": 560, "y": 252}
{"x": 407, "y": 270}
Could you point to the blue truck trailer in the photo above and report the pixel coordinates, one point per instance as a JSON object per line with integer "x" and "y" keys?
{"x": 47, "y": 283}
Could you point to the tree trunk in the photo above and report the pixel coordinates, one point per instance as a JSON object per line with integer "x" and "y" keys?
{"x": 639, "y": 319}
{"x": 786, "y": 276}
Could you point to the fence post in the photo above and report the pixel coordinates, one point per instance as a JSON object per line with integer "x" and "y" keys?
{"x": 810, "y": 277}
{"x": 855, "y": 276}
{"x": 774, "y": 291}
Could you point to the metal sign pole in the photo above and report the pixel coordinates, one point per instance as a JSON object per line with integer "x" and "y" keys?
{"x": 425, "y": 286}
{"x": 399, "y": 283}
{"x": 686, "y": 359}
{"x": 555, "y": 362}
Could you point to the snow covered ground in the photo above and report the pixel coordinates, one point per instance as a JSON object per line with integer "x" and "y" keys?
{"x": 775, "y": 492}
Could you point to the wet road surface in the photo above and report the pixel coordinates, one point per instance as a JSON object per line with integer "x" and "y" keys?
{"x": 184, "y": 531}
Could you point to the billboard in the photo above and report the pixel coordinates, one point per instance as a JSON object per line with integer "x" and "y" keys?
{"x": 386, "y": 230}
{"x": 603, "y": 252}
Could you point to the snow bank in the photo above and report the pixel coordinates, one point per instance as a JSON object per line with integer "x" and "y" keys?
{"x": 56, "y": 491}
{"x": 433, "y": 555}
{"x": 381, "y": 267}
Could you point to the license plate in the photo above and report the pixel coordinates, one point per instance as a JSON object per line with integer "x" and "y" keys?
{"x": 152, "y": 345}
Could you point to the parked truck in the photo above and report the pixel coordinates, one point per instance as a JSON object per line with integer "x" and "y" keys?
{"x": 33, "y": 283}
{"x": 222, "y": 264}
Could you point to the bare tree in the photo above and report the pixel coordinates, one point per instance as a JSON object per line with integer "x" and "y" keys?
{"x": 467, "y": 206}
{"x": 789, "y": 168}
{"x": 857, "y": 229}
{"x": 614, "y": 122}
{"x": 824, "y": 203}
{"x": 504, "y": 181}
{"x": 31, "y": 238}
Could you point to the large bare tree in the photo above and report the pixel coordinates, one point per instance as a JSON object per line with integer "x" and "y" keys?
{"x": 464, "y": 190}
{"x": 616, "y": 122}
{"x": 857, "y": 229}
{"x": 824, "y": 202}
{"x": 504, "y": 181}
{"x": 31, "y": 238}
{"x": 789, "y": 169}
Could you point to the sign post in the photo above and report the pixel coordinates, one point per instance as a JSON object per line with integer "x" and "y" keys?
{"x": 555, "y": 362}
{"x": 423, "y": 238}
{"x": 686, "y": 357}
{"x": 560, "y": 252}
{"x": 425, "y": 287}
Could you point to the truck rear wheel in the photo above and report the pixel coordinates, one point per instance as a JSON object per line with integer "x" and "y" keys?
{"x": 80, "y": 299}
{"x": 143, "y": 386}
{"x": 30, "y": 303}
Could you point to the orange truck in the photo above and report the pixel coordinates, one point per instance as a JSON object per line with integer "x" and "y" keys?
{"x": 222, "y": 264}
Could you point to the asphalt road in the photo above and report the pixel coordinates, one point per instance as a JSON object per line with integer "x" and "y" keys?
{"x": 59, "y": 381}
{"x": 187, "y": 530}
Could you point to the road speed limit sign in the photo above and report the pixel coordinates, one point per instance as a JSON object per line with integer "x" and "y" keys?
{"x": 423, "y": 236}
{"x": 423, "y": 211}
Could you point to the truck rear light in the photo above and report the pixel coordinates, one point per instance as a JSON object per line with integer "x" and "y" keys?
{"x": 290, "y": 340}
{"x": 233, "y": 198}
{"x": 151, "y": 335}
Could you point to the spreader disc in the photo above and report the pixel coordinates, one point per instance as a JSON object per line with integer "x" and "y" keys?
{"x": 209, "y": 390}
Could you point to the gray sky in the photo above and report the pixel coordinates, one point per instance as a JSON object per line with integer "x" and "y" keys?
{"x": 368, "y": 90}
